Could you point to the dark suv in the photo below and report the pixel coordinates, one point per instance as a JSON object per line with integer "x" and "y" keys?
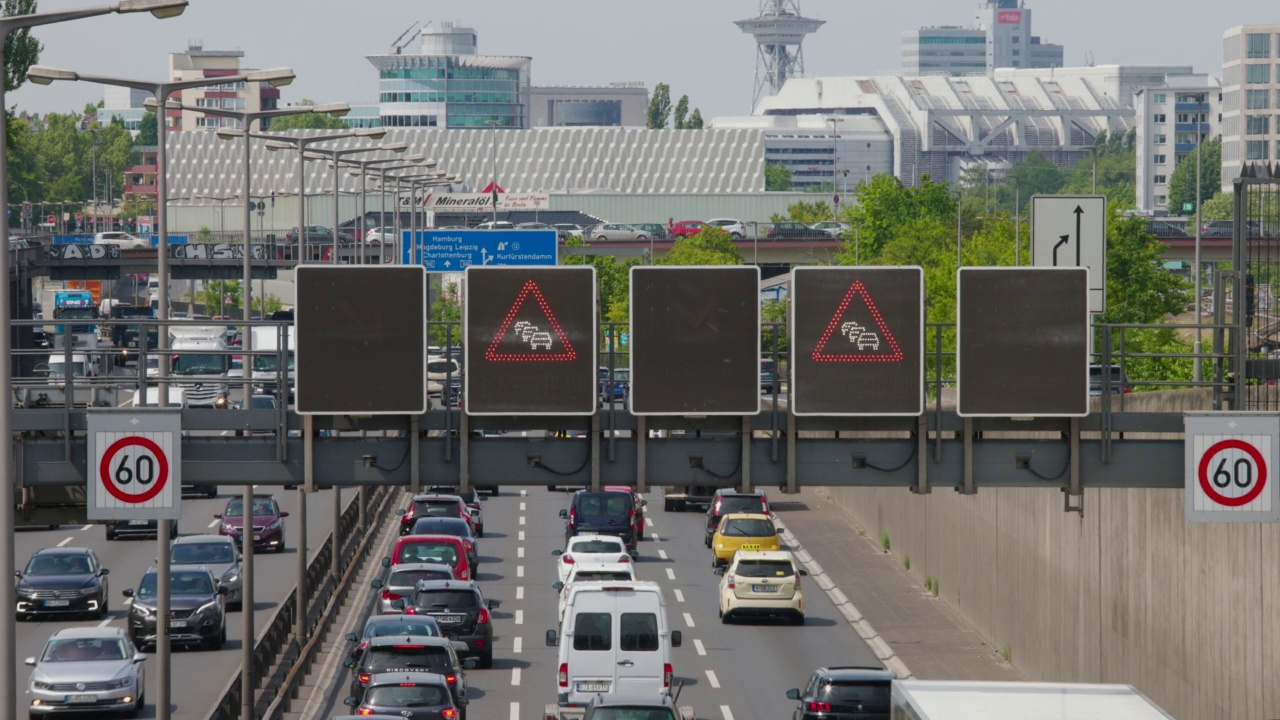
{"x": 602, "y": 513}
{"x": 410, "y": 653}
{"x": 461, "y": 612}
{"x": 728, "y": 500}
{"x": 197, "y": 614}
{"x": 844, "y": 693}
{"x": 431, "y": 506}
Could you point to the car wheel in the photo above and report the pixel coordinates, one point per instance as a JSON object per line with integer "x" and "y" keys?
{"x": 218, "y": 642}
{"x": 798, "y": 619}
{"x": 736, "y": 236}
{"x": 668, "y": 506}
{"x": 551, "y": 488}
{"x": 212, "y": 492}
{"x": 642, "y": 238}
{"x": 486, "y": 660}
{"x": 726, "y": 618}
{"x": 111, "y": 534}
{"x": 480, "y": 531}
{"x": 140, "y": 702}
{"x": 280, "y": 547}
{"x": 707, "y": 541}
{"x": 494, "y": 491}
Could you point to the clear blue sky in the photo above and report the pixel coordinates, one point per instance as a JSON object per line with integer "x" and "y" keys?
{"x": 693, "y": 45}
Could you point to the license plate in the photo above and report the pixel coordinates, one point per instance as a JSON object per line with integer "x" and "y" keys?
{"x": 257, "y": 537}
{"x": 81, "y": 699}
{"x": 449, "y": 619}
{"x": 133, "y": 344}
{"x": 136, "y": 523}
{"x": 57, "y": 603}
{"x": 600, "y": 687}
{"x": 750, "y": 546}
{"x": 764, "y": 588}
{"x": 177, "y": 623}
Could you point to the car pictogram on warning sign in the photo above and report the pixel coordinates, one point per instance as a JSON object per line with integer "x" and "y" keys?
{"x": 858, "y": 301}
{"x": 527, "y": 341}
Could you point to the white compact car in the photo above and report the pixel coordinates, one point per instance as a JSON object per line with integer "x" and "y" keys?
{"x": 761, "y": 583}
{"x": 592, "y": 550}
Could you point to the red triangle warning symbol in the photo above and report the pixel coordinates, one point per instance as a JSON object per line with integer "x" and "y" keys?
{"x": 532, "y": 335}
{"x": 853, "y": 334}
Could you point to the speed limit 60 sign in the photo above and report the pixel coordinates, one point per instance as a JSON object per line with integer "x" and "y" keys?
{"x": 1231, "y": 466}
{"x": 134, "y": 464}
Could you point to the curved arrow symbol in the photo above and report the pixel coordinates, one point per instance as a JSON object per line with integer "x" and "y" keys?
{"x": 1062, "y": 240}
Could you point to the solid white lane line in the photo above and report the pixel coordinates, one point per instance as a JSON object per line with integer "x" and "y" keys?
{"x": 519, "y": 592}
{"x": 515, "y": 706}
{"x": 519, "y": 617}
{"x": 214, "y": 523}
{"x": 711, "y": 678}
{"x": 86, "y": 527}
{"x": 671, "y": 574}
{"x": 679, "y": 595}
{"x": 519, "y": 571}
{"x": 697, "y": 645}
{"x": 724, "y": 712}
{"x": 64, "y": 542}
{"x": 517, "y": 646}
{"x": 522, "y": 507}
{"x": 521, "y": 519}
{"x": 520, "y": 537}
{"x": 515, "y": 676}
{"x": 519, "y": 552}
{"x": 662, "y": 554}
{"x": 688, "y": 620}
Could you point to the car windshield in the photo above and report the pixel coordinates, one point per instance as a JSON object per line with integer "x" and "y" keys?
{"x": 235, "y": 508}
{"x": 262, "y": 402}
{"x": 731, "y": 504}
{"x": 602, "y": 575}
{"x": 188, "y": 364}
{"x": 410, "y": 578}
{"x": 748, "y": 527}
{"x": 869, "y": 696}
{"x": 59, "y": 369}
{"x": 622, "y": 375}
{"x": 429, "y": 629}
{"x": 180, "y": 583}
{"x": 201, "y": 553}
{"x": 603, "y": 504}
{"x": 58, "y": 565}
{"x": 269, "y": 363}
{"x": 441, "y": 526}
{"x": 406, "y": 695}
{"x": 438, "y": 508}
{"x": 764, "y": 568}
{"x": 631, "y": 713}
{"x": 446, "y": 599}
{"x": 406, "y": 657}
{"x": 83, "y": 650}
{"x": 429, "y": 552}
{"x": 596, "y": 546}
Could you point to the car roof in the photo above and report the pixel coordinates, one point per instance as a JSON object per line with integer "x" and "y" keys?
{"x": 766, "y": 555}
{"x": 856, "y": 673}
{"x": 186, "y": 568}
{"x": 395, "y": 678}
{"x": 745, "y": 516}
{"x": 625, "y": 567}
{"x": 90, "y": 631}
{"x": 62, "y": 551}
{"x": 397, "y": 618}
{"x": 594, "y": 536}
{"x": 429, "y": 537}
{"x": 658, "y": 700}
{"x": 188, "y": 539}
{"x": 731, "y": 492}
{"x": 429, "y": 585}
{"x": 419, "y": 566}
{"x": 392, "y": 640}
{"x": 434, "y": 496}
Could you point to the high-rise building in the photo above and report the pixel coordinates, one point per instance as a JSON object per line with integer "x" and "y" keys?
{"x": 447, "y": 84}
{"x": 1250, "y": 98}
{"x": 619, "y": 104}
{"x": 1001, "y": 38}
{"x": 198, "y": 63}
{"x": 1167, "y": 114}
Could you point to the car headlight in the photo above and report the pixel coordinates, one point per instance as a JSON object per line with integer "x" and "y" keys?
{"x": 90, "y": 590}
{"x": 26, "y": 591}
{"x": 230, "y": 576}
{"x": 38, "y": 685}
{"x": 221, "y": 402}
{"x": 207, "y": 607}
{"x": 228, "y": 527}
{"x": 120, "y": 683}
{"x": 143, "y": 610}
{"x": 274, "y": 524}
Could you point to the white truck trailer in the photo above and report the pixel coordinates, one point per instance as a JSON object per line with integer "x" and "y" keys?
{"x": 969, "y": 700}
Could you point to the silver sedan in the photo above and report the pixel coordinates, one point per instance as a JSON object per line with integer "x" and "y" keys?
{"x": 617, "y": 231}
{"x": 87, "y": 671}
{"x": 216, "y": 552}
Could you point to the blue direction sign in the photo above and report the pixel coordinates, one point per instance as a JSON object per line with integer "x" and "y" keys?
{"x": 456, "y": 250}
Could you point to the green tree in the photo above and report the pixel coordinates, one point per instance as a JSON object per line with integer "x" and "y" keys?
{"x": 220, "y": 297}
{"x": 806, "y": 212}
{"x": 1139, "y": 290}
{"x": 271, "y": 302}
{"x": 1182, "y": 183}
{"x": 612, "y": 276}
{"x": 148, "y": 133}
{"x": 21, "y": 50}
{"x": 695, "y": 120}
{"x": 773, "y": 311}
{"x": 709, "y": 247}
{"x": 884, "y": 207}
{"x": 777, "y": 177}
{"x": 306, "y": 121}
{"x": 659, "y": 106}
{"x": 1116, "y": 168}
{"x": 680, "y": 118}
{"x": 1218, "y": 207}
{"x": 447, "y": 308}
{"x": 1036, "y": 175}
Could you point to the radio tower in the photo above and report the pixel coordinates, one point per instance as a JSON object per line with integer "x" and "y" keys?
{"x": 779, "y": 32}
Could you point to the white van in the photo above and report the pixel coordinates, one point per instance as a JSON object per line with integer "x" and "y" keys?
{"x": 616, "y": 639}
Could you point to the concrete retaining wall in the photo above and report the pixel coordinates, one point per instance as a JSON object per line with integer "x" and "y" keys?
{"x": 1130, "y": 592}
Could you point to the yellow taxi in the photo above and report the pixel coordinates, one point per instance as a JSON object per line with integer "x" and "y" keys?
{"x": 742, "y": 531}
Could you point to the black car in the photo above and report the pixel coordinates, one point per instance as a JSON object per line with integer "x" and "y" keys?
{"x": 197, "y": 613}
{"x": 471, "y": 497}
{"x": 117, "y": 529}
{"x": 460, "y": 610}
{"x": 411, "y": 653}
{"x": 844, "y": 693}
{"x": 768, "y": 375}
{"x": 387, "y": 625}
{"x": 412, "y": 696}
{"x": 727, "y": 500}
{"x": 62, "y": 581}
{"x": 456, "y": 527}
{"x": 793, "y": 230}
{"x": 429, "y": 506}
{"x": 602, "y": 513}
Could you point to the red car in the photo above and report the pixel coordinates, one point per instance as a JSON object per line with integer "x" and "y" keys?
{"x": 442, "y": 549}
{"x": 688, "y": 228}
{"x": 640, "y": 502}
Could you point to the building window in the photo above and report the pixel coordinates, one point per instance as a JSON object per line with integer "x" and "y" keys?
{"x": 1162, "y": 179}
{"x": 1160, "y": 159}
{"x": 1258, "y": 45}
{"x": 1257, "y": 74}
{"x": 1162, "y": 200}
{"x": 1257, "y": 124}
{"x": 1257, "y": 99}
{"x": 1159, "y": 118}
{"x": 1158, "y": 98}
{"x": 1256, "y": 150}
{"x": 1161, "y": 139}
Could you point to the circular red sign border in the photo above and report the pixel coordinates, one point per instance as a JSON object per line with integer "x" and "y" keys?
{"x": 1232, "y": 444}
{"x": 104, "y": 470}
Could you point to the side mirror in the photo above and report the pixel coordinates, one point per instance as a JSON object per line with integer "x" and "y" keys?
{"x": 30, "y": 661}
{"x": 350, "y": 701}
{"x": 793, "y": 694}
{"x": 564, "y": 514}
{"x": 400, "y": 511}
{"x": 104, "y": 571}
{"x": 376, "y": 584}
{"x": 218, "y": 515}
{"x": 127, "y": 592}
{"x": 552, "y": 640}
{"x": 470, "y": 663}
{"x": 17, "y": 573}
{"x": 386, "y": 562}
{"x": 804, "y": 573}
{"x": 635, "y": 554}
{"x": 557, "y": 585}
{"x": 352, "y": 637}
{"x": 139, "y": 657}
{"x": 676, "y": 638}
{"x": 495, "y": 604}
{"x": 350, "y": 664}
{"x": 284, "y": 514}
{"x": 718, "y": 571}
{"x": 644, "y": 503}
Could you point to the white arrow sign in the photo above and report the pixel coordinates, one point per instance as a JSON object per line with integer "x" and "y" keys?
{"x": 1071, "y": 231}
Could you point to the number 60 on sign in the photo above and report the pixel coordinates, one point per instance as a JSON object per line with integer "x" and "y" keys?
{"x": 134, "y": 465}
{"x": 1230, "y": 467}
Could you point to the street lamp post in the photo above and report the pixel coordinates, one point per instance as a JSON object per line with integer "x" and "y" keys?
{"x": 493, "y": 126}
{"x": 1197, "y": 346}
{"x": 161, "y": 9}
{"x": 362, "y": 172}
{"x": 835, "y": 155}
{"x": 959, "y": 240}
{"x": 335, "y": 158}
{"x": 384, "y": 174}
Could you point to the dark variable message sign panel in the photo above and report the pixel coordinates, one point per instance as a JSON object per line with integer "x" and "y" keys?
{"x": 695, "y": 340}
{"x": 1023, "y": 342}
{"x": 857, "y": 339}
{"x": 530, "y": 336}
{"x": 361, "y": 340}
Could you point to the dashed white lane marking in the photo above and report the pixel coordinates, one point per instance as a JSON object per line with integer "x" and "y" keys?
{"x": 64, "y": 542}
{"x": 214, "y": 523}
{"x": 648, "y": 521}
{"x": 688, "y": 620}
{"x": 523, "y": 493}
{"x": 671, "y": 574}
{"x": 662, "y": 554}
{"x": 521, "y": 519}
{"x": 711, "y": 678}
{"x": 520, "y": 537}
{"x": 519, "y": 571}
{"x": 105, "y": 623}
{"x": 679, "y": 595}
{"x": 654, "y": 537}
{"x": 86, "y": 527}
{"x": 697, "y": 645}
{"x": 519, "y": 592}
{"x": 517, "y": 646}
{"x": 724, "y": 712}
{"x": 519, "y": 617}
{"x": 522, "y": 507}
{"x": 515, "y": 676}
{"x": 515, "y": 706}
{"x": 519, "y": 552}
